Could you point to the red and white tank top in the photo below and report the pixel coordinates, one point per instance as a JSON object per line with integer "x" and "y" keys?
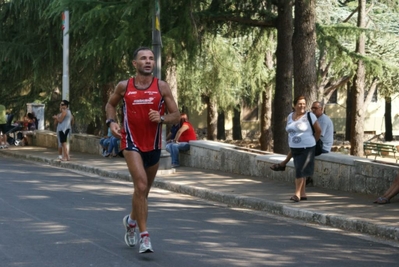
{"x": 138, "y": 131}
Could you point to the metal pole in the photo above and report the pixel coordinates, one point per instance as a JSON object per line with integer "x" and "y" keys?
{"x": 156, "y": 47}
{"x": 156, "y": 39}
{"x": 65, "y": 69}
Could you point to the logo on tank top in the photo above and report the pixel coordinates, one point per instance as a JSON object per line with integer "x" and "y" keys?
{"x": 131, "y": 93}
{"x": 148, "y": 101}
{"x": 151, "y": 92}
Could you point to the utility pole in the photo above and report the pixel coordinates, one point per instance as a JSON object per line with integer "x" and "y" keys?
{"x": 156, "y": 39}
{"x": 65, "y": 50}
{"x": 156, "y": 47}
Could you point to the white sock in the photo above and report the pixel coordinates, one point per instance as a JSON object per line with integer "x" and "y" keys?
{"x": 131, "y": 222}
{"x": 145, "y": 233}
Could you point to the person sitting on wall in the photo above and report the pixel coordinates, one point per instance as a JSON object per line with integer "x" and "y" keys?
{"x": 392, "y": 191}
{"x": 104, "y": 142}
{"x": 184, "y": 135}
{"x": 31, "y": 121}
{"x": 172, "y": 134}
{"x": 29, "y": 125}
{"x": 113, "y": 147}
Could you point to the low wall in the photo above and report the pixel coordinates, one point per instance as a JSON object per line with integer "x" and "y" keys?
{"x": 333, "y": 170}
{"x": 85, "y": 143}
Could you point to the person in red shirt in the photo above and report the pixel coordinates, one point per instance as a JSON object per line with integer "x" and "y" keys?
{"x": 145, "y": 100}
{"x": 184, "y": 135}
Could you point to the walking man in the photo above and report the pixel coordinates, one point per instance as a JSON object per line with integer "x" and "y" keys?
{"x": 326, "y": 125}
{"x": 145, "y": 100}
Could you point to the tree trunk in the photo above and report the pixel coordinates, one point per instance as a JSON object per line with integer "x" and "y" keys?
{"x": 266, "y": 134}
{"x": 221, "y": 132}
{"x": 357, "y": 129}
{"x": 282, "y": 103}
{"x": 237, "y": 133}
{"x": 348, "y": 121}
{"x": 211, "y": 119}
{"x": 304, "y": 46}
{"x": 388, "y": 119}
{"x": 171, "y": 76}
{"x": 171, "y": 79}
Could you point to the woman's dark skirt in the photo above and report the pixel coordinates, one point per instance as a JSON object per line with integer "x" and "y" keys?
{"x": 303, "y": 161}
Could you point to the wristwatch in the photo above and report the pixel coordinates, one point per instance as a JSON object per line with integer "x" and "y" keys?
{"x": 162, "y": 119}
{"x": 108, "y": 122}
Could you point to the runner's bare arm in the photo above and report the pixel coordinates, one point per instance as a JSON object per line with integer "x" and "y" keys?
{"x": 110, "y": 107}
{"x": 173, "y": 115}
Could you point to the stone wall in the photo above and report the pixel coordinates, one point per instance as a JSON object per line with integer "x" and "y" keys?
{"x": 85, "y": 143}
{"x": 333, "y": 170}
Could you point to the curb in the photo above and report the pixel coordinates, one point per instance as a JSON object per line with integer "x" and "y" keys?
{"x": 352, "y": 224}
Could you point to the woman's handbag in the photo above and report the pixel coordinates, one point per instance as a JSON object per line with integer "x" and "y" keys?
{"x": 319, "y": 143}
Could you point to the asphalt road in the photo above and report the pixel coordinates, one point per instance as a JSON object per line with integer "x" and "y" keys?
{"x": 55, "y": 217}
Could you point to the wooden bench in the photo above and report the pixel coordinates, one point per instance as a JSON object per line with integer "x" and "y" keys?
{"x": 380, "y": 150}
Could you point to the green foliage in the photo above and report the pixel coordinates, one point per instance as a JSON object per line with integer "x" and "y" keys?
{"x": 102, "y": 40}
{"x": 28, "y": 51}
{"x": 178, "y": 27}
{"x": 236, "y": 17}
{"x": 337, "y": 34}
{"x": 235, "y": 71}
{"x": 225, "y": 70}
{"x": 103, "y": 36}
{"x": 211, "y": 74}
{"x": 254, "y": 71}
{"x": 111, "y": 29}
{"x": 219, "y": 47}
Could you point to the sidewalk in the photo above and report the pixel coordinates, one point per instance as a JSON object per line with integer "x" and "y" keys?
{"x": 348, "y": 211}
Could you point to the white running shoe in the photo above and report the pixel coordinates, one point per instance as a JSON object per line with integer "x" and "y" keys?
{"x": 145, "y": 245}
{"x": 130, "y": 235}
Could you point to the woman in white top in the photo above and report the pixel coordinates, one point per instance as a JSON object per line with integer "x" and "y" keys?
{"x": 64, "y": 120}
{"x": 302, "y": 144}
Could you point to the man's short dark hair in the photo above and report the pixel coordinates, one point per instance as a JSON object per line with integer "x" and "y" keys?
{"x": 318, "y": 103}
{"x": 141, "y": 49}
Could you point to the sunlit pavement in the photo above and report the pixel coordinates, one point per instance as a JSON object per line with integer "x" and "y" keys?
{"x": 349, "y": 211}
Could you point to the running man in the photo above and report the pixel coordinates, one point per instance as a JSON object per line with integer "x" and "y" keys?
{"x": 145, "y": 100}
